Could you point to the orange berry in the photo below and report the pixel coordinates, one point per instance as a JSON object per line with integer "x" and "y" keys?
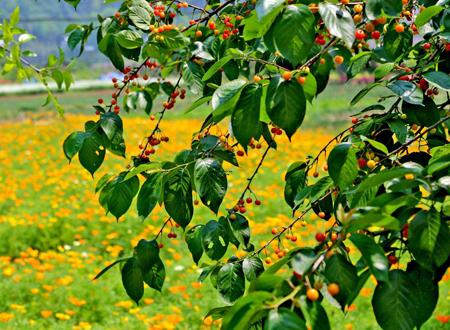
{"x": 198, "y": 33}
{"x": 301, "y": 80}
{"x": 257, "y": 79}
{"x": 333, "y": 289}
{"x": 322, "y": 215}
{"x": 287, "y": 75}
{"x": 400, "y": 28}
{"x": 312, "y": 294}
{"x": 338, "y": 59}
{"x": 358, "y": 8}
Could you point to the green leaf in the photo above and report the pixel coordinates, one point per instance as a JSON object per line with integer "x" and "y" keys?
{"x": 339, "y": 22}
{"x": 73, "y": 143}
{"x": 141, "y": 17}
{"x": 194, "y": 242}
{"x": 215, "y": 239}
{"x": 439, "y": 79}
{"x": 149, "y": 194}
{"x": 192, "y": 75}
{"x": 427, "y": 14}
{"x": 408, "y": 91}
{"x": 295, "y": 181}
{"x": 245, "y": 118}
{"x": 225, "y": 98}
{"x": 110, "y": 47}
{"x": 265, "y": 8}
{"x": 240, "y": 230}
{"x": 210, "y": 182}
{"x": 340, "y": 271}
{"x": 315, "y": 314}
{"x": 231, "y": 282}
{"x": 119, "y": 194}
{"x": 373, "y": 255}
{"x": 426, "y": 292}
{"x": 147, "y": 253}
{"x": 132, "y": 279}
{"x": 378, "y": 219}
{"x": 358, "y": 64}
{"x": 241, "y": 314}
{"x": 377, "y": 145}
{"x": 92, "y": 152}
{"x": 252, "y": 267}
{"x": 400, "y": 130}
{"x": 111, "y": 125}
{"x": 295, "y": 45}
{"x": 342, "y": 165}
{"x": 216, "y": 67}
{"x": 286, "y": 104}
{"x": 129, "y": 39}
{"x": 178, "y": 196}
{"x": 303, "y": 260}
{"x": 284, "y": 319}
{"x": 423, "y": 234}
{"x": 155, "y": 277}
{"x": 376, "y": 8}
{"x": 394, "y": 302}
{"x": 396, "y": 45}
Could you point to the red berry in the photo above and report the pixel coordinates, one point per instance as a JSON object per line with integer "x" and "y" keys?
{"x": 392, "y": 259}
{"x": 354, "y": 120}
{"x": 360, "y": 34}
{"x": 423, "y": 84}
{"x": 100, "y": 101}
{"x": 376, "y": 35}
{"x": 320, "y": 237}
{"x": 240, "y": 153}
{"x": 293, "y": 238}
{"x": 426, "y": 46}
{"x": 362, "y": 163}
{"x": 257, "y": 202}
{"x": 249, "y": 200}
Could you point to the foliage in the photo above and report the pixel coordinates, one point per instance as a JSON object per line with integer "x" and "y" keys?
{"x": 260, "y": 64}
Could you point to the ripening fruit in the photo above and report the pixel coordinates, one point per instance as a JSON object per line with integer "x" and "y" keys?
{"x": 360, "y": 34}
{"x": 268, "y": 261}
{"x": 322, "y": 215}
{"x": 320, "y": 237}
{"x": 371, "y": 164}
{"x": 312, "y": 294}
{"x": 362, "y": 162}
{"x": 198, "y": 33}
{"x": 318, "y": 285}
{"x": 369, "y": 27}
{"x": 333, "y": 289}
{"x": 287, "y": 75}
{"x": 338, "y": 59}
{"x": 354, "y": 120}
{"x": 345, "y": 2}
{"x": 274, "y": 231}
{"x": 257, "y": 79}
{"x": 257, "y": 202}
{"x": 357, "y": 18}
{"x": 233, "y": 216}
{"x": 426, "y": 46}
{"x": 301, "y": 80}
{"x": 392, "y": 259}
{"x": 376, "y": 35}
{"x": 400, "y": 28}
{"x": 358, "y": 8}
{"x": 409, "y": 176}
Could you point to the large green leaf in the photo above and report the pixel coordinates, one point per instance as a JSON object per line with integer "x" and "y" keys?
{"x": 342, "y": 164}
{"x": 376, "y": 8}
{"x": 286, "y": 104}
{"x": 92, "y": 152}
{"x": 111, "y": 124}
{"x": 439, "y": 79}
{"x": 315, "y": 314}
{"x": 293, "y": 45}
{"x": 141, "y": 17}
{"x": 73, "y": 143}
{"x": 194, "y": 242}
{"x": 240, "y": 230}
{"x": 284, "y": 319}
{"x": 339, "y": 22}
{"x": 111, "y": 48}
{"x": 242, "y": 314}
{"x": 129, "y": 39}
{"x": 252, "y": 267}
{"x": 146, "y": 253}
{"x": 295, "y": 181}
{"x": 427, "y": 14}
{"x": 396, "y": 44}
{"x": 225, "y": 98}
{"x": 373, "y": 255}
{"x": 394, "y": 302}
{"x": 231, "y": 281}
{"x": 149, "y": 194}
{"x": 303, "y": 260}
{"x": 245, "y": 118}
{"x": 215, "y": 239}
{"x": 132, "y": 279}
{"x": 155, "y": 277}
{"x": 117, "y": 196}
{"x": 423, "y": 235}
{"x": 178, "y": 196}
{"x": 210, "y": 182}
{"x": 339, "y": 270}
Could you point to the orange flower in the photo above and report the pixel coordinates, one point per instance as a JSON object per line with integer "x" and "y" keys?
{"x": 46, "y": 314}
{"x": 443, "y": 318}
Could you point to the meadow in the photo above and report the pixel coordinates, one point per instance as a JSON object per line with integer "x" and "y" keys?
{"x": 55, "y": 237}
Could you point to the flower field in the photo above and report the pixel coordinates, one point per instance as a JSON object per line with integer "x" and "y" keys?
{"x": 55, "y": 237}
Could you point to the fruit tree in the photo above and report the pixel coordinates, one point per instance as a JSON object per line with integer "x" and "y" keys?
{"x": 258, "y": 65}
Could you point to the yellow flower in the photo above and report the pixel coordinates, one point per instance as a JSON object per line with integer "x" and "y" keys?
{"x": 62, "y": 316}
{"x": 8, "y": 271}
{"x": 5, "y": 317}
